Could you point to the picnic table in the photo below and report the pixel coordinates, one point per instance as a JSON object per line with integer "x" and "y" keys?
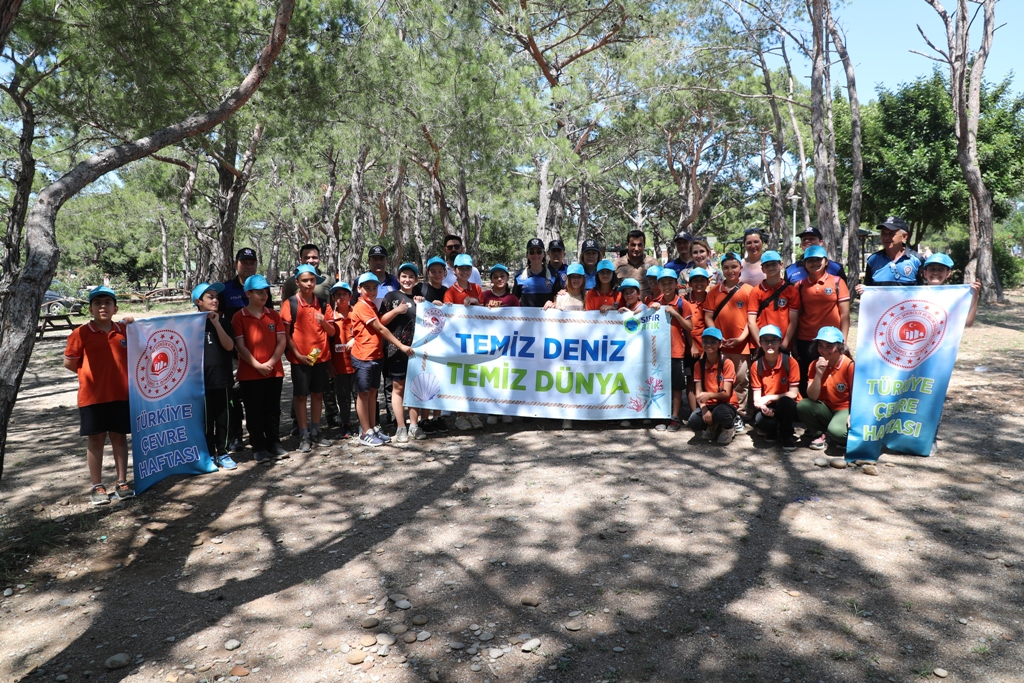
{"x": 55, "y": 322}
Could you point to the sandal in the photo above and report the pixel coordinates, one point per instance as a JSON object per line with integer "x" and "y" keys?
{"x": 122, "y": 490}
{"x": 98, "y": 495}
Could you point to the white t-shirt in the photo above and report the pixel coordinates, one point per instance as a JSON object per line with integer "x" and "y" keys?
{"x": 751, "y": 274}
{"x": 449, "y": 279}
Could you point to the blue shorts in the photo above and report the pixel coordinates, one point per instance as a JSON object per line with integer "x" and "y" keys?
{"x": 367, "y": 375}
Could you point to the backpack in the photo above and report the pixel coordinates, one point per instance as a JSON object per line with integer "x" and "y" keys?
{"x": 293, "y": 303}
{"x": 762, "y": 368}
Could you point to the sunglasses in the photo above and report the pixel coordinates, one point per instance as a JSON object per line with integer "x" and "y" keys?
{"x": 454, "y": 245}
{"x": 534, "y": 252}
{"x": 752, "y": 231}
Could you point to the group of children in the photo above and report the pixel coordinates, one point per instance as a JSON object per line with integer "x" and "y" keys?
{"x": 784, "y": 341}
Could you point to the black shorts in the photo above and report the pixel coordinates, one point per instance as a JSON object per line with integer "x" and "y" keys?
{"x": 101, "y": 418}
{"x": 398, "y": 366}
{"x": 309, "y": 379}
{"x": 678, "y": 376}
{"x": 688, "y": 363}
{"x": 367, "y": 375}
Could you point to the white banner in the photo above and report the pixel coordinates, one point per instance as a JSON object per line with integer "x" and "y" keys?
{"x": 535, "y": 363}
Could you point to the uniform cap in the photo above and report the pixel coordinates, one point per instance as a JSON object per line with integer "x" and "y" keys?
{"x": 940, "y": 259}
{"x": 103, "y": 291}
{"x": 409, "y": 266}
{"x": 378, "y": 250}
{"x": 341, "y": 285}
{"x": 575, "y": 269}
{"x": 771, "y": 257}
{"x": 815, "y": 251}
{"x": 769, "y": 331}
{"x": 255, "y": 282}
{"x": 629, "y": 282}
{"x": 605, "y": 265}
{"x": 699, "y": 272}
{"x": 683, "y": 236}
{"x": 712, "y": 332}
{"x": 463, "y": 260}
{"x": 653, "y": 271}
{"x": 306, "y": 268}
{"x": 535, "y": 243}
{"x": 590, "y": 245}
{"x": 436, "y": 260}
{"x": 556, "y": 244}
{"x": 245, "y": 253}
{"x": 499, "y": 266}
{"x": 368, "y": 277}
{"x": 895, "y": 223}
{"x": 201, "y": 288}
{"x": 832, "y": 335}
{"x": 811, "y": 231}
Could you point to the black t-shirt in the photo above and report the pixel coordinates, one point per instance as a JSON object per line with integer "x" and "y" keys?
{"x": 216, "y": 359}
{"x": 402, "y": 325}
{"x": 431, "y": 293}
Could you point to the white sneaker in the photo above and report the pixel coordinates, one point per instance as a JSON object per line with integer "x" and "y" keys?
{"x": 463, "y": 424}
{"x": 506, "y": 419}
{"x": 475, "y": 421}
{"x": 566, "y": 424}
{"x": 492, "y": 419}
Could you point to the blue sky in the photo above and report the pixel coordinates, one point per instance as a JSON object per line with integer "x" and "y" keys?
{"x": 881, "y": 33}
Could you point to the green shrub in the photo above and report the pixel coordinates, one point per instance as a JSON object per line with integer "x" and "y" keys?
{"x": 1009, "y": 269}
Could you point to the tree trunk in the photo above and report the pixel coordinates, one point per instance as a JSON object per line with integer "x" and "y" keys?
{"x": 551, "y": 201}
{"x": 8, "y": 13}
{"x": 583, "y": 219}
{"x": 163, "y": 251}
{"x": 465, "y": 220}
{"x": 357, "y": 240}
{"x": 19, "y": 308}
{"x": 19, "y": 199}
{"x": 833, "y": 184}
{"x": 822, "y": 184}
{"x": 805, "y": 205}
{"x": 857, "y": 161}
{"x": 417, "y": 231}
{"x": 188, "y": 273}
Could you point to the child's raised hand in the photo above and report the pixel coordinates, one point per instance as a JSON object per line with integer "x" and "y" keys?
{"x": 407, "y": 350}
{"x": 213, "y": 317}
{"x": 976, "y": 286}
{"x": 128, "y": 319}
{"x": 859, "y": 289}
{"x": 318, "y": 317}
{"x": 820, "y": 365}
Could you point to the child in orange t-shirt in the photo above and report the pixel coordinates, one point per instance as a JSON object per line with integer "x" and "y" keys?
{"x": 463, "y": 291}
{"x": 603, "y": 297}
{"x": 771, "y": 302}
{"x": 732, "y": 321}
{"x": 260, "y": 340}
{"x": 308, "y": 320}
{"x": 823, "y": 300}
{"x": 341, "y": 368}
{"x": 98, "y": 353}
{"x": 827, "y": 406}
{"x": 699, "y": 279}
{"x": 714, "y": 376}
{"x": 775, "y": 381}
{"x": 367, "y": 351}
{"x": 680, "y": 315}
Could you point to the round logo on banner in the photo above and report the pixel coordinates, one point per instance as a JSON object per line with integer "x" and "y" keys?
{"x": 163, "y": 365}
{"x": 433, "y": 320}
{"x": 909, "y": 332}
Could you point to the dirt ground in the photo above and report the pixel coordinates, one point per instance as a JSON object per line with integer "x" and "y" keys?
{"x": 623, "y": 555}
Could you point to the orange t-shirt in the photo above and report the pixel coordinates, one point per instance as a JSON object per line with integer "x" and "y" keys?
{"x": 369, "y": 343}
{"x": 306, "y": 332}
{"x": 260, "y": 337}
{"x": 456, "y": 294}
{"x": 698, "y": 323}
{"x": 818, "y": 302}
{"x": 678, "y": 337}
{"x": 733, "y": 318}
{"x": 713, "y": 382}
{"x": 836, "y": 384}
{"x": 777, "y": 312}
{"x": 595, "y": 299}
{"x": 775, "y": 380}
{"x": 342, "y": 360}
{"x": 103, "y": 373}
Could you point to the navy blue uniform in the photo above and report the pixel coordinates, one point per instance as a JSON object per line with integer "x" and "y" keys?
{"x": 535, "y": 290}
{"x": 903, "y": 272}
{"x": 797, "y": 272}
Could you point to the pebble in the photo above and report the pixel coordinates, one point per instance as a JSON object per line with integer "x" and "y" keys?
{"x": 423, "y": 635}
{"x": 531, "y": 601}
{"x": 398, "y": 659}
{"x": 61, "y": 677}
{"x": 1008, "y": 637}
{"x": 821, "y": 462}
{"x": 385, "y": 639}
{"x": 474, "y": 627}
{"x": 495, "y": 653}
{"x": 367, "y": 640}
{"x": 531, "y": 645}
{"x": 941, "y": 673}
{"x": 475, "y": 667}
{"x": 397, "y": 597}
{"x": 485, "y": 636}
{"x": 409, "y": 637}
{"x": 457, "y": 645}
{"x": 618, "y": 649}
{"x": 471, "y": 650}
{"x": 962, "y": 621}
{"x": 8, "y": 592}
{"x": 573, "y": 625}
{"x": 793, "y": 594}
{"x": 232, "y": 644}
{"x": 992, "y": 555}
{"x": 403, "y": 604}
{"x": 398, "y": 629}
{"x": 355, "y": 657}
{"x": 870, "y": 469}
{"x": 420, "y": 620}
{"x": 838, "y": 463}
{"x": 370, "y": 622}
{"x": 118, "y": 661}
{"x": 239, "y": 671}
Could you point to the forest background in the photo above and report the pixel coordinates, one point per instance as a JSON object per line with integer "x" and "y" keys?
{"x": 396, "y": 122}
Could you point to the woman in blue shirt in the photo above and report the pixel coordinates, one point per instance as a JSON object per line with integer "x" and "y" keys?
{"x": 534, "y": 284}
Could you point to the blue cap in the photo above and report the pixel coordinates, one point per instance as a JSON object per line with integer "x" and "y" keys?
{"x": 103, "y": 291}
{"x": 653, "y": 271}
{"x": 463, "y": 260}
{"x": 368, "y": 277}
{"x": 770, "y": 257}
{"x": 940, "y": 259}
{"x": 770, "y": 331}
{"x": 255, "y": 282}
{"x": 438, "y": 260}
{"x": 605, "y": 265}
{"x": 203, "y": 286}
{"x": 667, "y": 272}
{"x": 815, "y": 251}
{"x": 409, "y": 266}
{"x": 306, "y": 268}
{"x": 575, "y": 269}
{"x": 498, "y": 266}
{"x": 699, "y": 272}
{"x": 341, "y": 285}
{"x": 712, "y": 332}
{"x": 830, "y": 334}
{"x": 629, "y": 282}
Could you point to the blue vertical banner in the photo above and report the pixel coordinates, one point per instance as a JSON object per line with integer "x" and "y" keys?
{"x": 167, "y": 396}
{"x": 907, "y": 343}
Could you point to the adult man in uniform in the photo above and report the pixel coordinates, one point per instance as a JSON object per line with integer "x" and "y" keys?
{"x": 590, "y": 254}
{"x": 232, "y": 300}
{"x": 556, "y": 263}
{"x": 682, "y": 260}
{"x": 636, "y": 262}
{"x": 895, "y": 264}
{"x": 811, "y": 237}
{"x": 377, "y": 263}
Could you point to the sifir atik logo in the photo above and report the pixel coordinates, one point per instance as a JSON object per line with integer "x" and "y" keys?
{"x": 162, "y": 365}
{"x": 909, "y": 332}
